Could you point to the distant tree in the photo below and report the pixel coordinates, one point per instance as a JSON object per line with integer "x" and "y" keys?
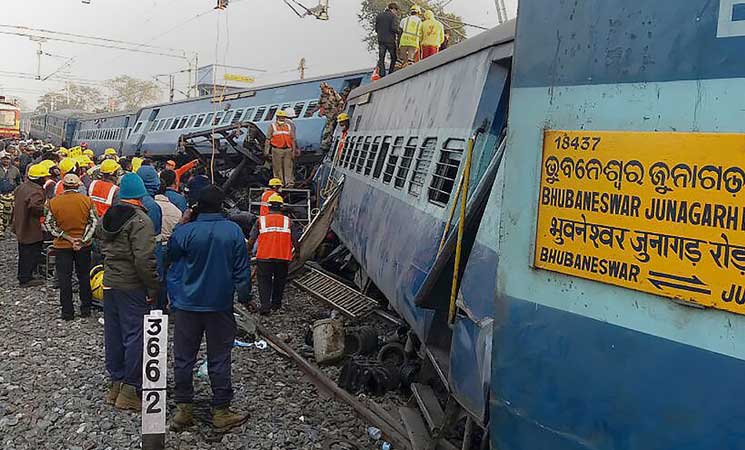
{"x": 130, "y": 93}
{"x": 72, "y": 96}
{"x": 371, "y": 8}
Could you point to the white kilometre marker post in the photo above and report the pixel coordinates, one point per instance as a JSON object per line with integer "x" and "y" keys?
{"x": 154, "y": 364}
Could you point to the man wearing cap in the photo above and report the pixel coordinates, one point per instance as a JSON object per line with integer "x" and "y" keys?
{"x": 71, "y": 220}
{"x": 131, "y": 280}
{"x": 276, "y": 237}
{"x": 211, "y": 265}
{"x": 10, "y": 178}
{"x": 28, "y": 209}
{"x": 104, "y": 192}
{"x": 280, "y": 146}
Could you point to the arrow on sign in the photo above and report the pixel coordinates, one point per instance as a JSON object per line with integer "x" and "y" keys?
{"x": 692, "y": 284}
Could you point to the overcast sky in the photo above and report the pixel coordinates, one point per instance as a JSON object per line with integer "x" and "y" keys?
{"x": 263, "y": 34}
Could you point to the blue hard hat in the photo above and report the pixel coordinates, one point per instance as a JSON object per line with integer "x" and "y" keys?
{"x": 131, "y": 187}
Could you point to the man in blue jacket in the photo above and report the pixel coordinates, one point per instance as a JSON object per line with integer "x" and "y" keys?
{"x": 210, "y": 264}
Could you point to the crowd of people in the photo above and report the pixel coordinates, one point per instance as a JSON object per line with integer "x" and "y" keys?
{"x": 407, "y": 40}
{"x": 163, "y": 241}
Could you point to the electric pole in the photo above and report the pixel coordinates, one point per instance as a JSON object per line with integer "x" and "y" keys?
{"x": 301, "y": 68}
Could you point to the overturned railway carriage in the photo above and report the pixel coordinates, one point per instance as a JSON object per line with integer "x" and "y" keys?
{"x": 57, "y": 127}
{"x": 402, "y": 162}
{"x": 102, "y": 131}
{"x": 578, "y": 326}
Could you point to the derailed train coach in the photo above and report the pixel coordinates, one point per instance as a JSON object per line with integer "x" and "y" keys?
{"x": 609, "y": 98}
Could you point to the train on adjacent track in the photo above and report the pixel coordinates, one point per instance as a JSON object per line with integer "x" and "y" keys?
{"x": 10, "y": 120}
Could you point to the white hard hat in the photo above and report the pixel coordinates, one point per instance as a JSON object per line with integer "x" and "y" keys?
{"x": 290, "y": 112}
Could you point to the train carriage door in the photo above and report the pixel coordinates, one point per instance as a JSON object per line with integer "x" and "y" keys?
{"x": 143, "y": 127}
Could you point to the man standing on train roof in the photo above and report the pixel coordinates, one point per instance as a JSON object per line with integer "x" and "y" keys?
{"x": 276, "y": 237}
{"x": 131, "y": 280}
{"x": 168, "y": 183}
{"x": 386, "y": 27}
{"x": 275, "y": 188}
{"x": 28, "y": 209}
{"x": 411, "y": 36}
{"x": 71, "y": 220}
{"x": 210, "y": 255}
{"x": 10, "y": 178}
{"x": 280, "y": 146}
{"x": 433, "y": 35}
{"x": 104, "y": 193}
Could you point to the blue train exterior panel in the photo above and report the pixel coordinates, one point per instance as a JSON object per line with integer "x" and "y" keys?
{"x": 577, "y": 364}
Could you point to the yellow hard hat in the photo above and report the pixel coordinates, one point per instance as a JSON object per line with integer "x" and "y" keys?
{"x": 281, "y": 113}
{"x": 63, "y": 152}
{"x": 109, "y": 152}
{"x": 38, "y": 171}
{"x": 276, "y": 199}
{"x": 97, "y": 282}
{"x": 110, "y": 166}
{"x": 67, "y": 165}
{"x": 416, "y": 9}
{"x": 89, "y": 153}
{"x": 136, "y": 163}
{"x": 84, "y": 160}
{"x": 75, "y": 152}
{"x": 342, "y": 117}
{"x": 48, "y": 163}
{"x": 275, "y": 182}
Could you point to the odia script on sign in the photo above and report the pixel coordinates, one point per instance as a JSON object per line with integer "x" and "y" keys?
{"x": 657, "y": 212}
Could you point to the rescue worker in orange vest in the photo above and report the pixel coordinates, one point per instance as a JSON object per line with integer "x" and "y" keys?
{"x": 104, "y": 193}
{"x": 276, "y": 238}
{"x": 343, "y": 121}
{"x": 275, "y": 187}
{"x": 281, "y": 146}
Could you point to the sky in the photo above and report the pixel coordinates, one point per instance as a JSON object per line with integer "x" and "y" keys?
{"x": 260, "y": 34}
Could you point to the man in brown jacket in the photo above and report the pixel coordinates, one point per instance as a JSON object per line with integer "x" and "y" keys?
{"x": 28, "y": 210}
{"x": 71, "y": 219}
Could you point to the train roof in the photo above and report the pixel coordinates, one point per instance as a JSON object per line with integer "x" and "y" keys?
{"x": 498, "y": 35}
{"x": 65, "y": 113}
{"x": 109, "y": 115}
{"x": 271, "y": 86}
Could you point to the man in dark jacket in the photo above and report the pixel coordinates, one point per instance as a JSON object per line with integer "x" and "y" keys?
{"x": 210, "y": 257}
{"x": 386, "y": 26}
{"x": 10, "y": 178}
{"x": 28, "y": 210}
{"x": 131, "y": 280}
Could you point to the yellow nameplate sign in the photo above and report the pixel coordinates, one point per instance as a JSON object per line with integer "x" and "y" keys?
{"x": 241, "y": 78}
{"x": 662, "y": 213}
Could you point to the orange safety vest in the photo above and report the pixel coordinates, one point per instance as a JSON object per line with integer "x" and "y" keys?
{"x": 264, "y": 208}
{"x": 275, "y": 238}
{"x": 59, "y": 188}
{"x": 342, "y": 143}
{"x": 102, "y": 194}
{"x": 281, "y": 135}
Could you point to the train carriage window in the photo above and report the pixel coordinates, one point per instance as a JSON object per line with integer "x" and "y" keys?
{"x": 446, "y": 171}
{"x": 208, "y": 120}
{"x": 405, "y": 164}
{"x": 200, "y": 120}
{"x": 237, "y": 117}
{"x": 287, "y": 106}
{"x": 270, "y": 114}
{"x": 299, "y": 108}
{"x": 348, "y": 147}
{"x": 373, "y": 155}
{"x": 363, "y": 154}
{"x": 161, "y": 124}
{"x": 355, "y": 152}
{"x": 183, "y": 122}
{"x": 228, "y": 117}
{"x": 218, "y": 117}
{"x": 152, "y": 126}
{"x": 175, "y": 123}
{"x": 384, "y": 147}
{"x": 137, "y": 127}
{"x": 259, "y": 113}
{"x": 390, "y": 168}
{"x": 311, "y": 106}
{"x": 421, "y": 166}
{"x": 192, "y": 119}
{"x": 249, "y": 115}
